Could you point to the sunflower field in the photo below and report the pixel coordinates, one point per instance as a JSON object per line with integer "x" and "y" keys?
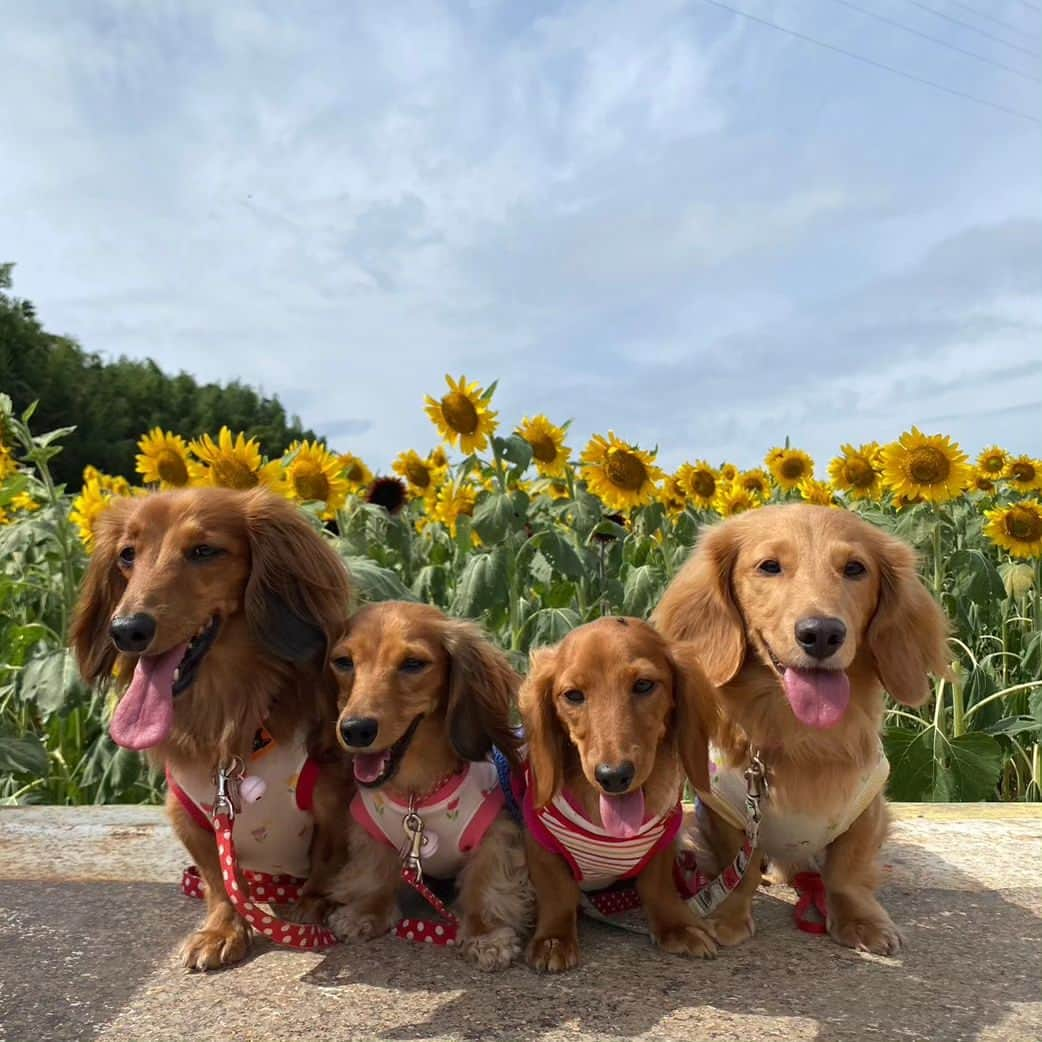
{"x": 511, "y": 526}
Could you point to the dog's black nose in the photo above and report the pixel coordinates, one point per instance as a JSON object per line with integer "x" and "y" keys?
{"x": 617, "y": 778}
{"x": 132, "y": 633}
{"x": 819, "y": 636}
{"x": 359, "y": 731}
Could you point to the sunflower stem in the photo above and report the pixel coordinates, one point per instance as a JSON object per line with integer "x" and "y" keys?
{"x": 498, "y": 466}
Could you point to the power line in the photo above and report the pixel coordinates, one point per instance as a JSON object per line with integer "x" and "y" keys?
{"x": 939, "y": 42}
{"x": 973, "y": 28}
{"x": 873, "y": 62}
{"x": 987, "y": 17}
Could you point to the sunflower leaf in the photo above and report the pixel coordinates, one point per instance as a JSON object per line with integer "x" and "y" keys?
{"x": 376, "y": 583}
{"x": 641, "y": 590}
{"x": 974, "y": 577}
{"x": 483, "y": 585}
{"x": 561, "y": 555}
{"x": 514, "y": 450}
{"x": 966, "y": 770}
{"x": 50, "y": 680}
{"x": 25, "y": 755}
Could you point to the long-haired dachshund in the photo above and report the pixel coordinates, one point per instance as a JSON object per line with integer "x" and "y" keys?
{"x": 423, "y": 700}
{"x": 217, "y": 609}
{"x": 613, "y": 718}
{"x": 803, "y": 615}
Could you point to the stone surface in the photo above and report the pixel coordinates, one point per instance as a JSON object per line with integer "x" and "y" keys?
{"x": 91, "y": 918}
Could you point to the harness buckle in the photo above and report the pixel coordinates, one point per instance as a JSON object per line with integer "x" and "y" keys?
{"x": 411, "y": 853}
{"x": 226, "y": 780}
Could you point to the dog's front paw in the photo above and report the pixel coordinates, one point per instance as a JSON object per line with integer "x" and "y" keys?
{"x": 875, "y": 934}
{"x": 214, "y": 947}
{"x": 686, "y": 939}
{"x": 733, "y": 929}
{"x": 310, "y": 908}
{"x": 494, "y": 950}
{"x": 553, "y": 954}
{"x": 351, "y": 925}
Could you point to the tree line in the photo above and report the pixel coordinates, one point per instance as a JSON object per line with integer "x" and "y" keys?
{"x": 112, "y": 404}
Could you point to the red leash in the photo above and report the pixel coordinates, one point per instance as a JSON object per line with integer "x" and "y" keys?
{"x": 811, "y": 911}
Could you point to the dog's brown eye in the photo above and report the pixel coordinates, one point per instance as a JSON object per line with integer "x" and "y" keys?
{"x": 643, "y": 686}
{"x": 126, "y": 556}
{"x": 204, "y": 552}
{"x": 769, "y": 567}
{"x": 413, "y": 665}
{"x": 854, "y": 569}
{"x": 344, "y": 663}
{"x": 575, "y": 697}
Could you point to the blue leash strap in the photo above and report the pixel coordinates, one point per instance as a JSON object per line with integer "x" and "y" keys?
{"x": 503, "y": 772}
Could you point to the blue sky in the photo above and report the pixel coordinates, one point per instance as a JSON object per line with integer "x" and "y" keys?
{"x": 657, "y": 217}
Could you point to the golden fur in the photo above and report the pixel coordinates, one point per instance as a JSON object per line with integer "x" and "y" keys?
{"x": 282, "y": 596}
{"x": 661, "y": 730}
{"x": 742, "y": 622}
{"x": 462, "y": 688}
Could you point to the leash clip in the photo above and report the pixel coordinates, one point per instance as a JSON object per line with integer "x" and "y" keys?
{"x": 226, "y": 780}
{"x": 756, "y": 789}
{"x": 411, "y": 852}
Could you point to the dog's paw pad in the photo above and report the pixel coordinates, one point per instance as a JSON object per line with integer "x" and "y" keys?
{"x": 687, "y": 939}
{"x": 491, "y": 951}
{"x": 211, "y": 949}
{"x": 553, "y": 954}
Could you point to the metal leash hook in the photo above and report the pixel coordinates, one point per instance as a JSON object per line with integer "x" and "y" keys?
{"x": 226, "y": 780}
{"x": 411, "y": 852}
{"x": 755, "y": 791}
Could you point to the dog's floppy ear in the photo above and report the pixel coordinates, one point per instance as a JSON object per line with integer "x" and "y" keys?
{"x": 698, "y": 605}
{"x": 543, "y": 732}
{"x": 482, "y": 690}
{"x": 694, "y": 710}
{"x": 297, "y": 595}
{"x": 908, "y": 633}
{"x": 103, "y": 586}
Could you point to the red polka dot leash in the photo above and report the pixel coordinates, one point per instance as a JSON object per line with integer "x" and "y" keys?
{"x": 247, "y": 890}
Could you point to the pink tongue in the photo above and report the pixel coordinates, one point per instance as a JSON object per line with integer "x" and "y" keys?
{"x": 369, "y": 766}
{"x": 819, "y": 697}
{"x": 622, "y": 816}
{"x": 145, "y": 714}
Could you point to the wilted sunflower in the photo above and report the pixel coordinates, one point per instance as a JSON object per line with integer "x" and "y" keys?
{"x": 728, "y": 471}
{"x": 423, "y": 476}
{"x": 992, "y": 461}
{"x": 357, "y": 475}
{"x": 546, "y": 440}
{"x": 855, "y": 472}
{"x": 699, "y": 481}
{"x": 453, "y": 499}
{"x": 817, "y": 492}
{"x": 733, "y": 499}
{"x": 789, "y": 467}
{"x": 230, "y": 462}
{"x": 1016, "y": 528}
{"x": 758, "y": 482}
{"x": 164, "y": 460}
{"x": 463, "y": 416}
{"x": 623, "y": 475}
{"x": 1024, "y": 473}
{"x": 388, "y": 493}
{"x": 930, "y": 466}
{"x": 315, "y": 475}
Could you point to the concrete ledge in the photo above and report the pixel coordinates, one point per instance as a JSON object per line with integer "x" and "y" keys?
{"x": 91, "y": 918}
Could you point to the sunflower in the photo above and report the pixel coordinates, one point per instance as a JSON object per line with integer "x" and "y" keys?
{"x": 728, "y": 471}
{"x": 699, "y": 482}
{"x": 672, "y": 496}
{"x": 982, "y": 482}
{"x": 356, "y": 473}
{"x": 315, "y": 475}
{"x": 930, "y": 466}
{"x": 164, "y": 460}
{"x": 86, "y": 508}
{"x": 7, "y": 464}
{"x": 789, "y": 467}
{"x": 422, "y": 476}
{"x": 388, "y": 493}
{"x": 623, "y": 475}
{"x": 453, "y": 499}
{"x": 546, "y": 440}
{"x": 462, "y": 416}
{"x": 230, "y": 462}
{"x": 555, "y": 488}
{"x": 855, "y": 473}
{"x": 1017, "y": 528}
{"x": 1024, "y": 473}
{"x": 732, "y": 499}
{"x": 817, "y": 492}
{"x": 5, "y": 517}
{"x": 758, "y": 482}
{"x": 24, "y": 502}
{"x": 992, "y": 461}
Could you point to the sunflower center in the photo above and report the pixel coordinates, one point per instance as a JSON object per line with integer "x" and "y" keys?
{"x": 752, "y": 484}
{"x": 543, "y": 447}
{"x": 625, "y": 470}
{"x": 418, "y": 474}
{"x": 353, "y": 473}
{"x": 992, "y": 464}
{"x": 703, "y": 484}
{"x": 309, "y": 481}
{"x": 231, "y": 473}
{"x": 793, "y": 468}
{"x": 860, "y": 473}
{"x": 928, "y": 466}
{"x": 171, "y": 467}
{"x": 1022, "y": 471}
{"x": 1023, "y": 525}
{"x": 459, "y": 413}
